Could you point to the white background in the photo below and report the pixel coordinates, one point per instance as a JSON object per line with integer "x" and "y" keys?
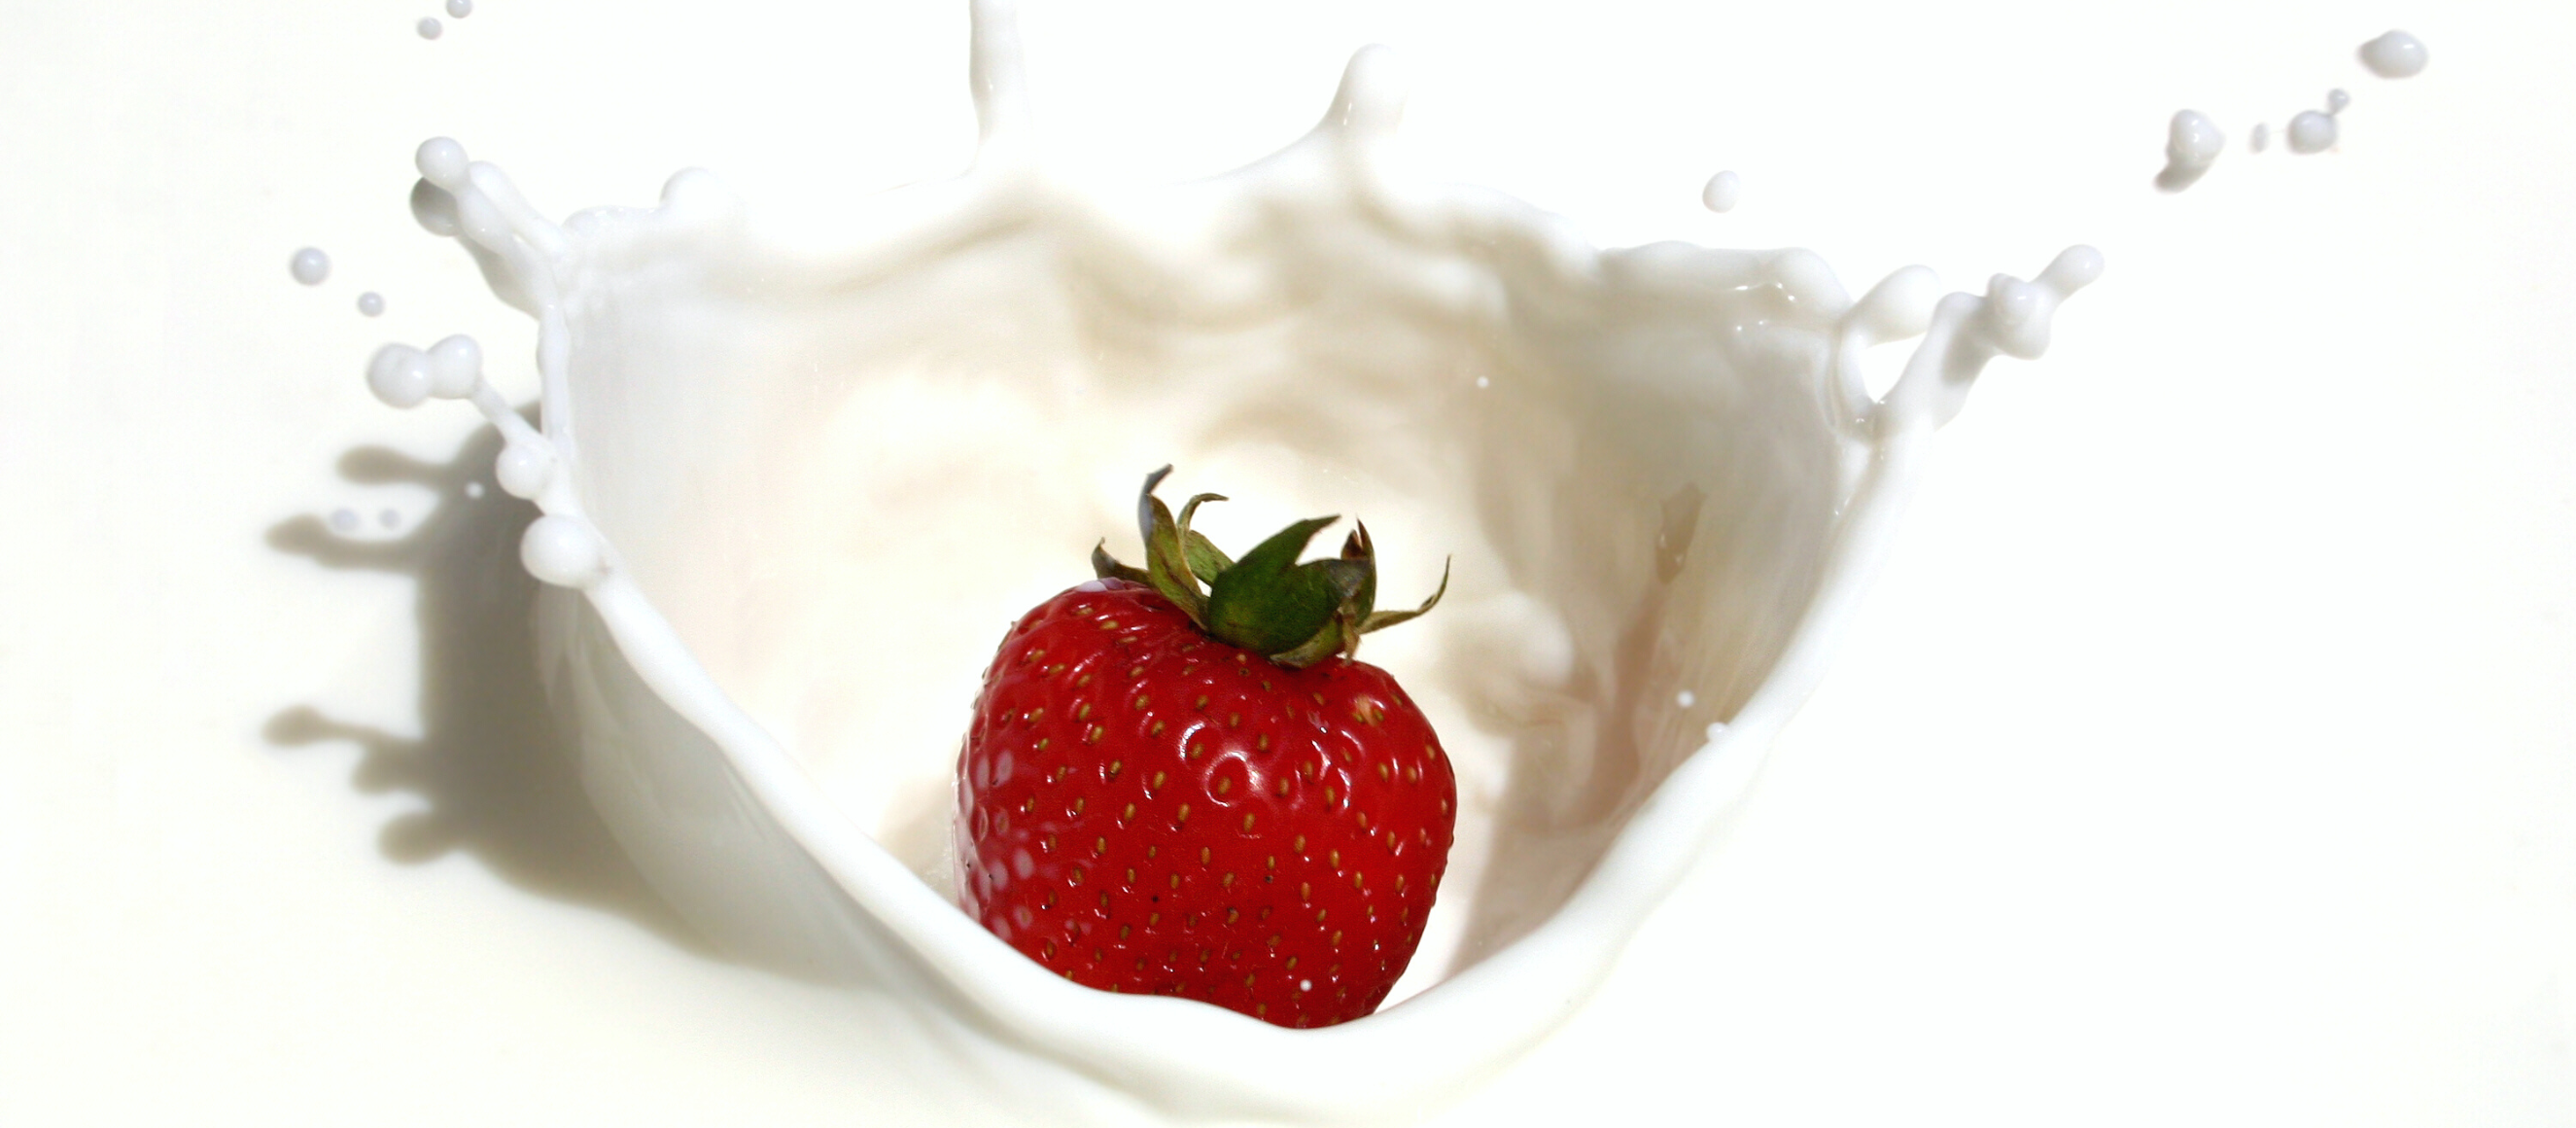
{"x": 2206, "y": 754}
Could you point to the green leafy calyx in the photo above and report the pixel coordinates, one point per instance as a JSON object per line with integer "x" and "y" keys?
{"x": 1295, "y": 614}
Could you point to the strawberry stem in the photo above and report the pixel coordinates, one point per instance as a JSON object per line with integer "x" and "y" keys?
{"x": 1295, "y": 614}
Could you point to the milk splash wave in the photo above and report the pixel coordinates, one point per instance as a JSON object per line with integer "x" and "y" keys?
{"x": 1660, "y": 468}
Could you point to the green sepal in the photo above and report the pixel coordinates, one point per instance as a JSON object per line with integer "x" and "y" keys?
{"x": 1356, "y": 548}
{"x": 1205, "y": 559}
{"x": 1270, "y": 604}
{"x": 1381, "y": 620}
{"x": 1166, "y": 564}
{"x": 1337, "y": 637}
{"x": 1107, "y": 567}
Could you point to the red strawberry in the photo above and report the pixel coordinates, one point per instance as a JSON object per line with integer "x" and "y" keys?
{"x": 1173, "y": 792}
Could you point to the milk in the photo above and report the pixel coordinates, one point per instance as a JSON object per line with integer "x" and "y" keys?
{"x": 790, "y": 496}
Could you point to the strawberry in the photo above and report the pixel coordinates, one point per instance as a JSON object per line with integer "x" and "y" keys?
{"x": 1202, "y": 794}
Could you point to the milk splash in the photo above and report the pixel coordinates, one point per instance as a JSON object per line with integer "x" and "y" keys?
{"x": 559, "y": 548}
{"x": 1533, "y": 368}
{"x": 2193, "y": 142}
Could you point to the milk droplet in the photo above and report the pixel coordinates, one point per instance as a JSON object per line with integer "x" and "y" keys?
{"x": 434, "y": 209}
{"x": 455, "y": 366}
{"x": 474, "y": 489}
{"x": 441, "y": 160}
{"x": 1716, "y": 729}
{"x": 2311, "y": 132}
{"x": 2394, "y": 54}
{"x": 1309, "y": 984}
{"x": 430, "y": 28}
{"x": 1685, "y": 699}
{"x": 2192, "y": 144}
{"x": 344, "y": 520}
{"x": 460, "y": 8}
{"x": 524, "y": 468}
{"x": 399, "y": 375}
{"x": 1723, "y": 190}
{"x": 371, "y": 303}
{"x": 560, "y": 551}
{"x": 2260, "y": 138}
{"x": 2337, "y": 99}
{"x": 309, "y": 266}
{"x": 1484, "y": 381}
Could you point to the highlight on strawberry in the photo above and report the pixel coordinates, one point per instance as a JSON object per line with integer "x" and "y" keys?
{"x": 1180, "y": 781}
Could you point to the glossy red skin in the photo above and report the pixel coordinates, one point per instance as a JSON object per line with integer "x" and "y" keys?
{"x": 1142, "y": 808}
